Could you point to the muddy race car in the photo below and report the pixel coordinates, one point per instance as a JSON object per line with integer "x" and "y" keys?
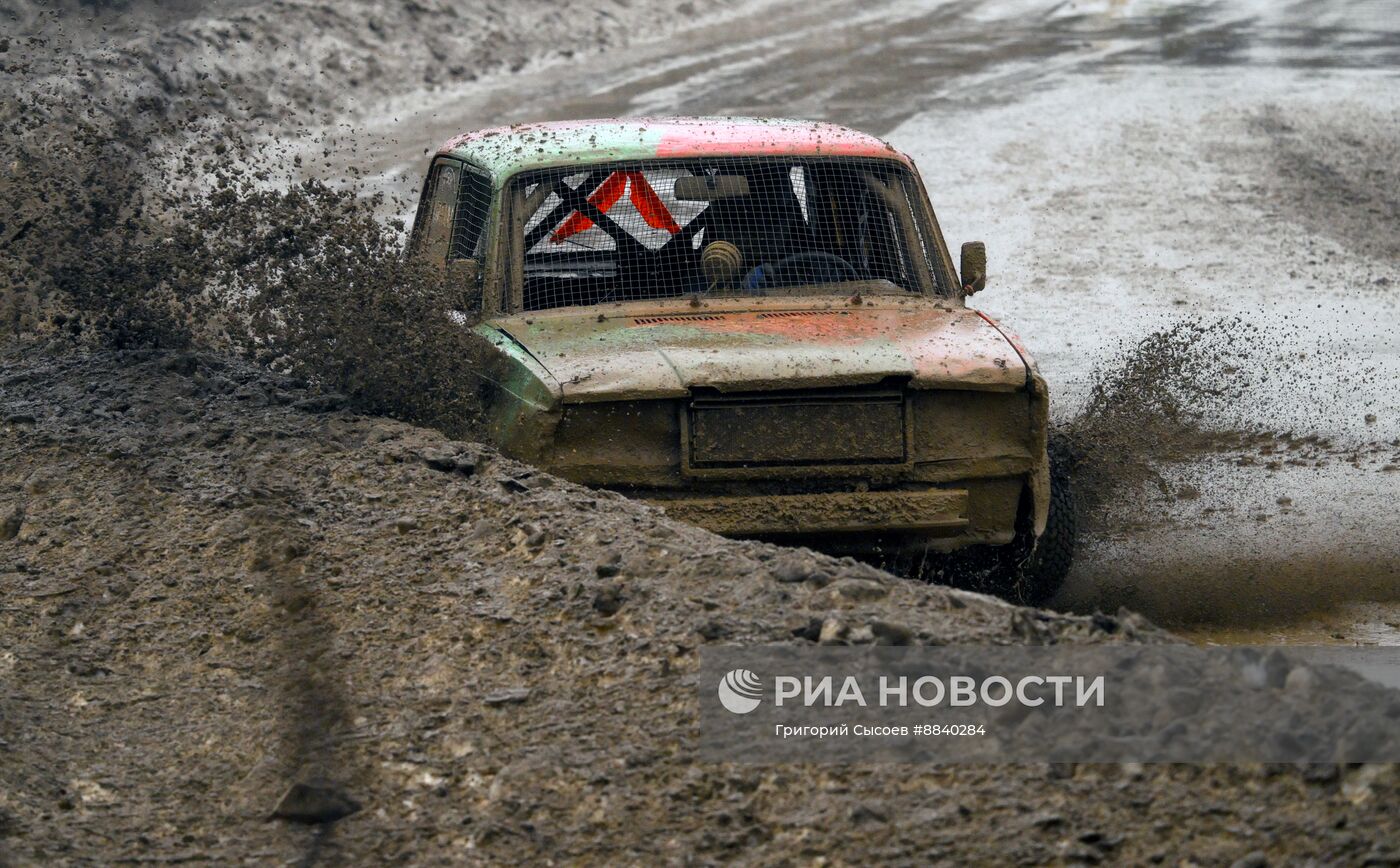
{"x": 756, "y": 325}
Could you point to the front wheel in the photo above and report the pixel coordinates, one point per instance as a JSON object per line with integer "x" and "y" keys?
{"x": 1038, "y": 577}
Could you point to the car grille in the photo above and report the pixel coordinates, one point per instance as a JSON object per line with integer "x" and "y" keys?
{"x": 807, "y": 427}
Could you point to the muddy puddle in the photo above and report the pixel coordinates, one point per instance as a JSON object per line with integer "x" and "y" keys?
{"x": 1352, "y": 623}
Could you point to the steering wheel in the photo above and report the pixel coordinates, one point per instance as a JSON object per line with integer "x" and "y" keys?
{"x": 819, "y": 266}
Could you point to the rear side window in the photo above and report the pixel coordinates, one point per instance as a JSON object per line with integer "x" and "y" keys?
{"x": 451, "y": 220}
{"x": 469, "y": 224}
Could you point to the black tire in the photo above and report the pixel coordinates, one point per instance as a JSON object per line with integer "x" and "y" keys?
{"x": 1039, "y": 576}
{"x": 1027, "y": 571}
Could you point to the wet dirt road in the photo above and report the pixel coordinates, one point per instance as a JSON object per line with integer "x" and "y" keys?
{"x": 1131, "y": 165}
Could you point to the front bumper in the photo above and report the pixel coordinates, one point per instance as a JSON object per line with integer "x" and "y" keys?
{"x": 943, "y": 510}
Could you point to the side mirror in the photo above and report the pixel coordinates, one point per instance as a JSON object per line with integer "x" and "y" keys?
{"x": 974, "y": 266}
{"x": 464, "y": 276}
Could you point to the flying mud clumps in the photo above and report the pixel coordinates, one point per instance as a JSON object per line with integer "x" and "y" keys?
{"x": 1191, "y": 449}
{"x": 122, "y": 230}
{"x": 1173, "y": 396}
{"x": 1200, "y": 390}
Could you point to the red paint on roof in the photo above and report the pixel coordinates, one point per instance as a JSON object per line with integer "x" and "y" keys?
{"x": 729, "y": 136}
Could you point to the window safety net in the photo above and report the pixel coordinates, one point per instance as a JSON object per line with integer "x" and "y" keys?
{"x": 452, "y": 214}
{"x": 732, "y": 227}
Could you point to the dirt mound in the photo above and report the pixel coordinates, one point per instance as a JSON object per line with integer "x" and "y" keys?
{"x": 221, "y": 584}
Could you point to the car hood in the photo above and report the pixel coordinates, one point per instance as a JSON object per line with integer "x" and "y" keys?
{"x": 651, "y": 354}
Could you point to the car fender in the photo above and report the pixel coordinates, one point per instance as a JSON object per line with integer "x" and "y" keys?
{"x": 1040, "y": 420}
{"x": 521, "y": 400}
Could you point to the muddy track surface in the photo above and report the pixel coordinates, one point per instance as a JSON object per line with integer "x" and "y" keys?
{"x": 220, "y": 585}
{"x": 275, "y": 65}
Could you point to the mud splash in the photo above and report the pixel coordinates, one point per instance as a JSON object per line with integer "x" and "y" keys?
{"x": 1160, "y": 402}
{"x": 1199, "y": 389}
{"x": 204, "y": 240}
{"x": 1188, "y": 492}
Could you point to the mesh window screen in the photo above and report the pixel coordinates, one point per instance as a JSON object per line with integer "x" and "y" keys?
{"x": 452, "y": 214}
{"x": 729, "y": 227}
{"x": 473, "y": 206}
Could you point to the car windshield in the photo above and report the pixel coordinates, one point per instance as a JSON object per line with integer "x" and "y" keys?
{"x": 726, "y": 227}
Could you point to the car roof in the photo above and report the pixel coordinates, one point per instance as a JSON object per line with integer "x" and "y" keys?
{"x": 503, "y": 151}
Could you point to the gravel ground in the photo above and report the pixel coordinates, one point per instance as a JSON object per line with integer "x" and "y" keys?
{"x": 220, "y": 584}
